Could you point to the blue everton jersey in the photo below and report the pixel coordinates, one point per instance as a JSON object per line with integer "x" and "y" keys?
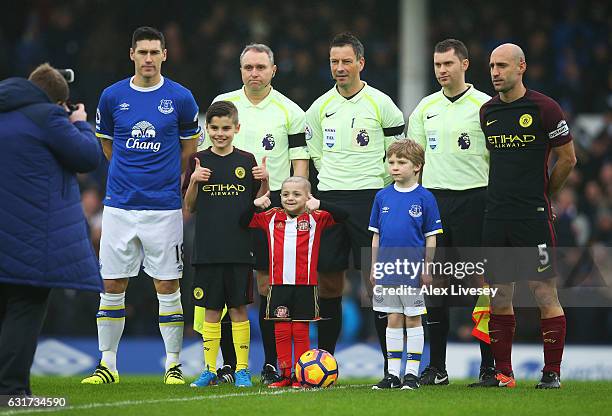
{"x": 146, "y": 126}
{"x": 404, "y": 217}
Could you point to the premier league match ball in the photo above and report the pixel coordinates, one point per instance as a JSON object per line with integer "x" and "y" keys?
{"x": 316, "y": 368}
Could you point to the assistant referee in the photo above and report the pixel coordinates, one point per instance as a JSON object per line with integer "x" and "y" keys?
{"x": 447, "y": 125}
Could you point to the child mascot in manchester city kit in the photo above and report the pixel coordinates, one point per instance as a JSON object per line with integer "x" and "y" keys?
{"x": 221, "y": 183}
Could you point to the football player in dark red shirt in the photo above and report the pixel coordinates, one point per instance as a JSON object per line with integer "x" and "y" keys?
{"x": 522, "y": 127}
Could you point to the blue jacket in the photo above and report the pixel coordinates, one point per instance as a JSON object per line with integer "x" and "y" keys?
{"x": 43, "y": 232}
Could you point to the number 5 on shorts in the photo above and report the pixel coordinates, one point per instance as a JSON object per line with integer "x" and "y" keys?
{"x": 543, "y": 253}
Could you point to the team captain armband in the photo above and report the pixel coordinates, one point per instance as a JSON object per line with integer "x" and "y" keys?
{"x": 561, "y": 130}
{"x": 189, "y": 125}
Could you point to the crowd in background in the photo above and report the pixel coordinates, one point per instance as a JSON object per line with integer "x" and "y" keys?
{"x": 567, "y": 45}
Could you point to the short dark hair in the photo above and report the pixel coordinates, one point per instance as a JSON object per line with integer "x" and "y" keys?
{"x": 51, "y": 82}
{"x": 148, "y": 33}
{"x": 347, "y": 38}
{"x": 448, "y": 44}
{"x": 222, "y": 109}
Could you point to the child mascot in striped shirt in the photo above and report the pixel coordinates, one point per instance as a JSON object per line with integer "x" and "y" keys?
{"x": 294, "y": 236}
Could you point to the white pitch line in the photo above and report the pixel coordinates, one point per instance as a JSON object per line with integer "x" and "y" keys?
{"x": 23, "y": 411}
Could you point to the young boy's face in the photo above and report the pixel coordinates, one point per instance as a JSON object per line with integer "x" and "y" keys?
{"x": 402, "y": 169}
{"x": 221, "y": 131}
{"x": 293, "y": 198}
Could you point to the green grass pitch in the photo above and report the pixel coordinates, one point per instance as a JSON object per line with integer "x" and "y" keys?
{"x": 138, "y": 395}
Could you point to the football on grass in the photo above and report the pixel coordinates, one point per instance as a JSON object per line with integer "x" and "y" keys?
{"x": 316, "y": 368}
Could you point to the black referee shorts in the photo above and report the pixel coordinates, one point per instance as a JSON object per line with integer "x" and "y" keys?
{"x": 462, "y": 215}
{"x": 260, "y": 239}
{"x": 293, "y": 303}
{"x": 338, "y": 241}
{"x": 518, "y": 250}
{"x": 217, "y": 285}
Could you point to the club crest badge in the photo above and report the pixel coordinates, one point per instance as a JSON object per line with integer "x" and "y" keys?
{"x": 415, "y": 211}
{"x": 525, "y": 120}
{"x": 281, "y": 312}
{"x": 303, "y": 225}
{"x": 165, "y": 107}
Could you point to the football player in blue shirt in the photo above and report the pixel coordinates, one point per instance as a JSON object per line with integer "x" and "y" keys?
{"x": 405, "y": 221}
{"x": 148, "y": 126}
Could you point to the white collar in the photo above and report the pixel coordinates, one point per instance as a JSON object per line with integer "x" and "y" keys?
{"x": 412, "y": 188}
{"x": 147, "y": 89}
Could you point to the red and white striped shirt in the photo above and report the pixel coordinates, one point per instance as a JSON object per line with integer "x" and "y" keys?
{"x": 293, "y": 244}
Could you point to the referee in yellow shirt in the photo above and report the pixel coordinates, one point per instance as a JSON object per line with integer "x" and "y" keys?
{"x": 456, "y": 171}
{"x": 348, "y": 130}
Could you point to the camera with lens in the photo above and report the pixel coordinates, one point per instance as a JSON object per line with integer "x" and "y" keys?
{"x": 68, "y": 75}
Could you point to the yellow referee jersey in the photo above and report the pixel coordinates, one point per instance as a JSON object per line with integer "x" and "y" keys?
{"x": 456, "y": 156}
{"x": 272, "y": 128}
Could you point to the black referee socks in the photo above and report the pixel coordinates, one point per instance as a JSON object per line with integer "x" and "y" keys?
{"x": 227, "y": 342}
{"x": 267, "y": 333}
{"x": 380, "y": 323}
{"x": 437, "y": 328}
{"x": 330, "y": 324}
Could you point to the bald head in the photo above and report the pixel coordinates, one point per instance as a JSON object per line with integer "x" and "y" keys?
{"x": 299, "y": 181}
{"x": 294, "y": 195}
{"x": 510, "y": 51}
{"x": 507, "y": 66}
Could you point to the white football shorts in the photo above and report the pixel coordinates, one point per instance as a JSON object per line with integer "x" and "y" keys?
{"x": 409, "y": 305}
{"x": 131, "y": 238}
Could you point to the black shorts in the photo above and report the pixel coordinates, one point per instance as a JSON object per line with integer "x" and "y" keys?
{"x": 519, "y": 250}
{"x": 462, "y": 215}
{"x": 293, "y": 303}
{"x": 217, "y": 285}
{"x": 260, "y": 239}
{"x": 338, "y": 241}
